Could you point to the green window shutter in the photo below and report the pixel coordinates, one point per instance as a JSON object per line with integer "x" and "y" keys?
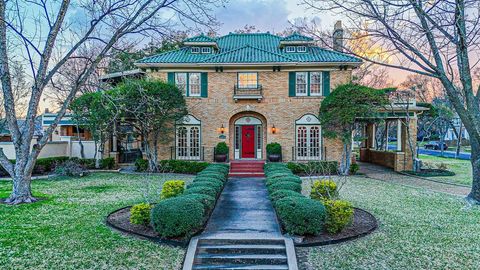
{"x": 204, "y": 86}
{"x": 326, "y": 83}
{"x": 171, "y": 77}
{"x": 291, "y": 84}
{"x": 308, "y": 83}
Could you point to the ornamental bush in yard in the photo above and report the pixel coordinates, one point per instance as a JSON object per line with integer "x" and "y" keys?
{"x": 172, "y": 188}
{"x": 177, "y": 217}
{"x": 140, "y": 214}
{"x": 285, "y": 185}
{"x": 301, "y": 216}
{"x": 339, "y": 215}
{"x": 324, "y": 190}
{"x": 201, "y": 190}
{"x": 207, "y": 201}
{"x": 283, "y": 193}
{"x": 208, "y": 184}
{"x": 291, "y": 178}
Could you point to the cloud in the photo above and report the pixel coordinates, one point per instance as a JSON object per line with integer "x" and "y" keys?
{"x": 265, "y": 15}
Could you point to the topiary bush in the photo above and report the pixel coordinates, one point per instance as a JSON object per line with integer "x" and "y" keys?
{"x": 209, "y": 184}
{"x": 300, "y": 215}
{"x": 207, "y": 201}
{"x": 339, "y": 215}
{"x": 141, "y": 165}
{"x": 201, "y": 190}
{"x": 221, "y": 149}
{"x": 172, "y": 188}
{"x": 354, "y": 168}
{"x": 274, "y": 149}
{"x": 177, "y": 217}
{"x": 285, "y": 185}
{"x": 283, "y": 193}
{"x": 140, "y": 214}
{"x": 324, "y": 190}
{"x": 291, "y": 178}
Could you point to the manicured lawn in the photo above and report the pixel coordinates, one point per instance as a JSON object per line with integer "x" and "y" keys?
{"x": 418, "y": 229}
{"x": 67, "y": 230}
{"x": 461, "y": 168}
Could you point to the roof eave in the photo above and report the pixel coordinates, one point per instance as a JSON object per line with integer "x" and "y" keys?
{"x": 150, "y": 65}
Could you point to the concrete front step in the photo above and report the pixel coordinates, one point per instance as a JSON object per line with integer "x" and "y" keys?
{"x": 226, "y": 258}
{"x": 242, "y": 267}
{"x": 245, "y": 175}
{"x": 242, "y": 248}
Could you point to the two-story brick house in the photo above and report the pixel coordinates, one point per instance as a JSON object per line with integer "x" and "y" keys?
{"x": 250, "y": 90}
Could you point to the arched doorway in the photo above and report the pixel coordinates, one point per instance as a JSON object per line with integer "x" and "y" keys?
{"x": 248, "y": 136}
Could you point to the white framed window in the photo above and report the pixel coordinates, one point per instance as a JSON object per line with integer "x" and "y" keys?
{"x": 308, "y": 142}
{"x": 290, "y": 49}
{"x": 206, "y": 50}
{"x": 181, "y": 82}
{"x": 195, "y": 49}
{"x": 301, "y": 49}
{"x": 247, "y": 80}
{"x": 188, "y": 143}
{"x": 194, "y": 84}
{"x": 315, "y": 83}
{"x": 301, "y": 83}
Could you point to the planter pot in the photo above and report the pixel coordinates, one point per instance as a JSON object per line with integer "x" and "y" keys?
{"x": 220, "y": 158}
{"x": 274, "y": 157}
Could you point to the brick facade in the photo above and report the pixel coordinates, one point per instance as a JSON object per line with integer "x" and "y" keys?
{"x": 276, "y": 108}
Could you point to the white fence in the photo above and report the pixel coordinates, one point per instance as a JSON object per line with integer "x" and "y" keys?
{"x": 64, "y": 148}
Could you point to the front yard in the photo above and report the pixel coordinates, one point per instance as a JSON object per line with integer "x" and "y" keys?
{"x": 461, "y": 168}
{"x": 418, "y": 229}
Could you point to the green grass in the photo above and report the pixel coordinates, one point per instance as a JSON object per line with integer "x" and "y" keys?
{"x": 461, "y": 168}
{"x": 418, "y": 229}
{"x": 67, "y": 229}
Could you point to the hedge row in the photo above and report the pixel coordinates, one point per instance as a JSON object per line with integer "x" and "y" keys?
{"x": 319, "y": 167}
{"x": 184, "y": 215}
{"x": 48, "y": 165}
{"x": 173, "y": 166}
{"x": 298, "y": 214}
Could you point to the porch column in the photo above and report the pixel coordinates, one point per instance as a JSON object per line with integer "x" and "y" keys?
{"x": 386, "y": 134}
{"x": 370, "y": 135}
{"x": 399, "y": 135}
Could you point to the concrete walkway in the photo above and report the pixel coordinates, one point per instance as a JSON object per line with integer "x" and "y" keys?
{"x": 243, "y": 208}
{"x": 388, "y": 175}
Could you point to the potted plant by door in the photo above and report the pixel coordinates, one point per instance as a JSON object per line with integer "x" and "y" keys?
{"x": 274, "y": 152}
{"x": 221, "y": 152}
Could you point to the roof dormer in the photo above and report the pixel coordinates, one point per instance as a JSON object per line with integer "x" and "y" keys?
{"x": 201, "y": 44}
{"x": 296, "y": 39}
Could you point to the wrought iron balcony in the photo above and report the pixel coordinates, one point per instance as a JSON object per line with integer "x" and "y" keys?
{"x": 246, "y": 93}
{"x": 187, "y": 153}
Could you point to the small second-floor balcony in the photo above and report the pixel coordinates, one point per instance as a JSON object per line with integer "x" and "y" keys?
{"x": 253, "y": 92}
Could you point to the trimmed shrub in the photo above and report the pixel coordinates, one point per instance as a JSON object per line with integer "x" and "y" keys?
{"x": 326, "y": 167}
{"x": 207, "y": 201}
{"x": 283, "y": 193}
{"x": 354, "y": 168}
{"x": 301, "y": 216}
{"x": 285, "y": 185}
{"x": 201, "y": 190}
{"x": 107, "y": 163}
{"x": 177, "y": 217}
{"x": 339, "y": 215}
{"x": 324, "y": 190}
{"x": 140, "y": 214}
{"x": 217, "y": 176}
{"x": 274, "y": 149}
{"x": 182, "y": 166}
{"x": 141, "y": 165}
{"x": 214, "y": 185}
{"x": 291, "y": 178}
{"x": 221, "y": 149}
{"x": 172, "y": 188}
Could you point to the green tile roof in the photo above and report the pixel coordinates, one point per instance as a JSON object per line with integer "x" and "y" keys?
{"x": 296, "y": 37}
{"x": 249, "y": 48}
{"x": 200, "y": 38}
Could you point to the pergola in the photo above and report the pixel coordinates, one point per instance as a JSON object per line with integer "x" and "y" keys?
{"x": 404, "y": 115}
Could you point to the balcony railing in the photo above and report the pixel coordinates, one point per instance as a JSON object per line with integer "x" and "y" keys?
{"x": 187, "y": 153}
{"x": 255, "y": 92}
{"x": 309, "y": 153}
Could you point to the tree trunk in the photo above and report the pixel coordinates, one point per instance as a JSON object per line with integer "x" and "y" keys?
{"x": 346, "y": 159}
{"x": 459, "y": 140}
{"x": 22, "y": 191}
{"x": 82, "y": 151}
{"x": 474, "y": 196}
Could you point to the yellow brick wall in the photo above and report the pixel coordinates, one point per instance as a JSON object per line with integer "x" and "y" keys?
{"x": 277, "y": 108}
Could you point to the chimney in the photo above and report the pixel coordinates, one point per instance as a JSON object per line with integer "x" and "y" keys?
{"x": 47, "y": 110}
{"x": 338, "y": 37}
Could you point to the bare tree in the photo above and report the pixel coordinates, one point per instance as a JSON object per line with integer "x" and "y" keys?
{"x": 62, "y": 30}
{"x": 434, "y": 38}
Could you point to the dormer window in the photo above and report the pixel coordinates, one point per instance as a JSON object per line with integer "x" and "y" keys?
{"x": 195, "y": 49}
{"x": 301, "y": 49}
{"x": 290, "y": 49}
{"x": 206, "y": 50}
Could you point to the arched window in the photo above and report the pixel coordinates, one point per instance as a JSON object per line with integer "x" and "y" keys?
{"x": 187, "y": 142}
{"x": 308, "y": 138}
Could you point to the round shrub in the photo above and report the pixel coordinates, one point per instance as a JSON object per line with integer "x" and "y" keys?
{"x": 301, "y": 216}
{"x": 140, "y": 214}
{"x": 172, "y": 188}
{"x": 285, "y": 185}
{"x": 354, "y": 168}
{"x": 207, "y": 201}
{"x": 207, "y": 179}
{"x": 324, "y": 190}
{"x": 177, "y": 217}
{"x": 214, "y": 185}
{"x": 339, "y": 215}
{"x": 283, "y": 193}
{"x": 201, "y": 190}
{"x": 279, "y": 174}
{"x": 292, "y": 178}
{"x": 216, "y": 175}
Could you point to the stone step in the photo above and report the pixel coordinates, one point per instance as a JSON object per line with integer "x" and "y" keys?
{"x": 237, "y": 249}
{"x": 242, "y": 267}
{"x": 245, "y": 175}
{"x": 258, "y": 259}
{"x": 241, "y": 241}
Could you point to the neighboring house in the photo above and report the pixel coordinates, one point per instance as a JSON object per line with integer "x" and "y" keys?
{"x": 66, "y": 129}
{"x": 457, "y": 124}
{"x": 6, "y": 136}
{"x": 249, "y": 90}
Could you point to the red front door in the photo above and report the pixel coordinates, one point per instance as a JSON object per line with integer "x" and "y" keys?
{"x": 248, "y": 141}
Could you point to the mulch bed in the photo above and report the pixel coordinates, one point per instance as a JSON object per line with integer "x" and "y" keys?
{"x": 363, "y": 224}
{"x": 431, "y": 173}
{"x": 120, "y": 220}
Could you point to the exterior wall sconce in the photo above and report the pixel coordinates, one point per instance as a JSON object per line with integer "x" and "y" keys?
{"x": 274, "y": 129}
{"x": 222, "y": 129}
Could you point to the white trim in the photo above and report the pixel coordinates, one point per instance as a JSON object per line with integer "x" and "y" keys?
{"x": 189, "y": 120}
{"x": 247, "y": 121}
{"x": 297, "y": 94}
{"x": 206, "y": 50}
{"x": 308, "y": 119}
{"x": 290, "y": 49}
{"x": 302, "y": 51}
{"x": 320, "y": 84}
{"x": 199, "y": 84}
{"x": 194, "y": 50}
{"x": 266, "y": 64}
